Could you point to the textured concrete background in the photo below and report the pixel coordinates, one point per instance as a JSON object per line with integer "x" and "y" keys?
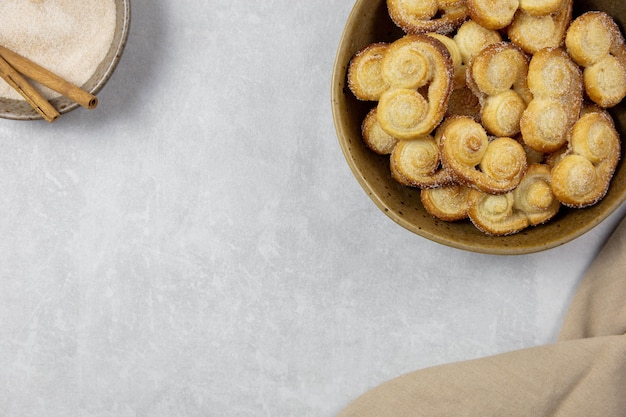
{"x": 197, "y": 245}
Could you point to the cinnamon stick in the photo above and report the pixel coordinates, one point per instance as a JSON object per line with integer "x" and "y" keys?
{"x": 30, "y": 94}
{"x": 51, "y": 80}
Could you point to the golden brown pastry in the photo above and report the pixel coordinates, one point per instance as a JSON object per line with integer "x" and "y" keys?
{"x": 375, "y": 137}
{"x": 495, "y": 214}
{"x": 503, "y": 165}
{"x": 592, "y": 36}
{"x": 534, "y": 196}
{"x": 539, "y": 7}
{"x": 594, "y": 137}
{"x": 595, "y": 42}
{"x": 457, "y": 59}
{"x": 535, "y": 32}
{"x": 419, "y": 70}
{"x": 498, "y": 74}
{"x": 493, "y": 166}
{"x": 492, "y": 130}
{"x": 416, "y": 163}
{"x": 499, "y": 67}
{"x": 605, "y": 81}
{"x": 492, "y": 14}
{"x": 471, "y": 38}
{"x": 423, "y": 16}
{"x": 501, "y": 113}
{"x": 414, "y": 60}
{"x": 449, "y": 202}
{"x": 365, "y": 78}
{"x": 556, "y": 84}
{"x": 582, "y": 176}
{"x": 531, "y": 203}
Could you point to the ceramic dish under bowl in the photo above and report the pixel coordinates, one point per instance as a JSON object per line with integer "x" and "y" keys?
{"x": 21, "y": 110}
{"x": 369, "y": 22}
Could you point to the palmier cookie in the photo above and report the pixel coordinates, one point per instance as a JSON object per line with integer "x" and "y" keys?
{"x": 540, "y": 7}
{"x": 416, "y": 163}
{"x": 449, "y": 202}
{"x": 495, "y": 214}
{"x": 556, "y": 84}
{"x": 492, "y": 14}
{"x": 492, "y": 166}
{"x": 498, "y": 77}
{"x": 423, "y": 16}
{"x": 533, "y": 33}
{"x": 531, "y": 203}
{"x": 471, "y": 38}
{"x": 594, "y": 41}
{"x": 419, "y": 70}
{"x": 582, "y": 177}
{"x": 375, "y": 137}
{"x": 365, "y": 78}
{"x": 534, "y": 196}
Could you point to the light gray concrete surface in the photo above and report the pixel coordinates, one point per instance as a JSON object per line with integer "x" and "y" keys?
{"x": 197, "y": 245}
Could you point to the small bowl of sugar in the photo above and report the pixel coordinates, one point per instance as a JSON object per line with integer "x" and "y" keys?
{"x": 81, "y": 41}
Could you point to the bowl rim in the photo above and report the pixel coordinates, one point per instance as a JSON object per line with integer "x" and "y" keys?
{"x": 338, "y": 83}
{"x": 116, "y": 51}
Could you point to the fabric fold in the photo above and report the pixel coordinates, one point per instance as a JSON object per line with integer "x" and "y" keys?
{"x": 583, "y": 374}
{"x": 568, "y": 379}
{"x": 599, "y": 304}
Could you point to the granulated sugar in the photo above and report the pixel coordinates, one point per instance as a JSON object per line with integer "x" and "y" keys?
{"x": 68, "y": 37}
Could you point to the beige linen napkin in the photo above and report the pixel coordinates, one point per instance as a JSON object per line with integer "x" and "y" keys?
{"x": 583, "y": 374}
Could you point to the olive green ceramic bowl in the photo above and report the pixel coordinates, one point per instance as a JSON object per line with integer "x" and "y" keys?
{"x": 369, "y": 22}
{"x": 21, "y": 110}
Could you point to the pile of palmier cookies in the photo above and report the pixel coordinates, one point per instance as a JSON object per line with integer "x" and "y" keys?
{"x": 498, "y": 114}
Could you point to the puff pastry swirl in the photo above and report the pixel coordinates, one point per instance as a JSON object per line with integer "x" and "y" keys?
{"x": 534, "y": 196}
{"x": 535, "y": 32}
{"x": 556, "y": 84}
{"x": 416, "y": 163}
{"x": 423, "y": 16}
{"x": 375, "y": 137}
{"x": 495, "y": 215}
{"x": 492, "y": 14}
{"x": 449, "y": 202}
{"x": 595, "y": 42}
{"x": 539, "y": 7}
{"x": 365, "y": 78}
{"x": 471, "y": 38}
{"x": 582, "y": 176}
{"x": 491, "y": 165}
{"x": 415, "y": 64}
{"x": 498, "y": 77}
{"x": 531, "y": 203}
